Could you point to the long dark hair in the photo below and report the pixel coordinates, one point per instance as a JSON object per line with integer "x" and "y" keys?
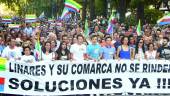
{"x": 59, "y": 51}
{"x": 44, "y": 49}
{"x": 122, "y": 39}
{"x": 137, "y": 48}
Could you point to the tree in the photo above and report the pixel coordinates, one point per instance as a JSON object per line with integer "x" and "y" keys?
{"x": 84, "y": 9}
{"x": 122, "y": 10}
{"x": 121, "y": 6}
{"x": 92, "y": 9}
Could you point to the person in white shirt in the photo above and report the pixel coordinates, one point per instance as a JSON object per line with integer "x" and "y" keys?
{"x": 47, "y": 54}
{"x": 27, "y": 57}
{"x": 12, "y": 52}
{"x": 28, "y": 29}
{"x": 78, "y": 50}
{"x": 140, "y": 50}
{"x": 151, "y": 53}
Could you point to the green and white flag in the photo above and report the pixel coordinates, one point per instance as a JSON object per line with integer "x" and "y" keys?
{"x": 139, "y": 33}
{"x": 86, "y": 31}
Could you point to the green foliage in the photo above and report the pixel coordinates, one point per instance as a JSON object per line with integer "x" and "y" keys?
{"x": 134, "y": 3}
{"x": 152, "y": 15}
{"x": 131, "y": 20}
{"x": 99, "y": 7}
{"x": 7, "y": 17}
{"x": 22, "y": 7}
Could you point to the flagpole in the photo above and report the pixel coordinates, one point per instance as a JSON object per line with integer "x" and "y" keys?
{"x": 38, "y": 38}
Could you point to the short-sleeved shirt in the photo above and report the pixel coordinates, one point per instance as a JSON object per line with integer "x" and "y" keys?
{"x": 28, "y": 31}
{"x": 11, "y": 53}
{"x": 94, "y": 51}
{"x": 150, "y": 55}
{"x": 48, "y": 57}
{"x": 108, "y": 52}
{"x": 164, "y": 53}
{"x": 78, "y": 51}
{"x": 28, "y": 59}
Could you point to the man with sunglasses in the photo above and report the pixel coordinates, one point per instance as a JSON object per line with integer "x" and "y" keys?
{"x": 164, "y": 51}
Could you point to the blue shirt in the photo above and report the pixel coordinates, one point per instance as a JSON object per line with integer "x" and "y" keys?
{"x": 108, "y": 52}
{"x": 94, "y": 51}
{"x": 124, "y": 54}
{"x": 117, "y": 44}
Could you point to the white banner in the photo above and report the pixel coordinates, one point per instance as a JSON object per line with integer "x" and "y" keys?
{"x": 85, "y": 77}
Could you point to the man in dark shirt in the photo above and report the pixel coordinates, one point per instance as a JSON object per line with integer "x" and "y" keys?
{"x": 164, "y": 51}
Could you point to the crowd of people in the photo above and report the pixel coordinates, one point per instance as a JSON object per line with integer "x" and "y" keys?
{"x": 62, "y": 40}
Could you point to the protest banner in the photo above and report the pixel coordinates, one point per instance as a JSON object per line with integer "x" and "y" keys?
{"x": 85, "y": 77}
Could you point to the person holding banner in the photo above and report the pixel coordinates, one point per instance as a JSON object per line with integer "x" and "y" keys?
{"x": 124, "y": 51}
{"x": 63, "y": 53}
{"x": 164, "y": 51}
{"x": 108, "y": 51}
{"x": 94, "y": 51}
{"x": 12, "y": 52}
{"x": 140, "y": 50}
{"x": 47, "y": 52}
{"x": 78, "y": 50}
{"x": 27, "y": 57}
{"x": 150, "y": 53}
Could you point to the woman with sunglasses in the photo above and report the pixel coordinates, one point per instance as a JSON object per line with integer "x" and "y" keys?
{"x": 140, "y": 50}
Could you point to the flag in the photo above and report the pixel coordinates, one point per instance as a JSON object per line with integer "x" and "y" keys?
{"x": 86, "y": 31}
{"x": 42, "y": 15}
{"x": 164, "y": 20}
{"x": 30, "y": 18}
{"x": 110, "y": 28}
{"x": 3, "y": 64}
{"x": 139, "y": 29}
{"x": 8, "y": 21}
{"x": 65, "y": 13}
{"x": 111, "y": 23}
{"x": 71, "y": 5}
{"x": 38, "y": 51}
